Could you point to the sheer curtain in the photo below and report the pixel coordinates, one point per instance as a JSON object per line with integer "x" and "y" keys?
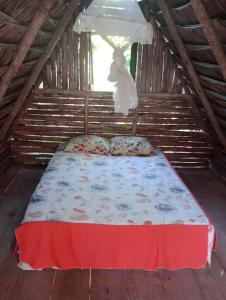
{"x": 120, "y": 23}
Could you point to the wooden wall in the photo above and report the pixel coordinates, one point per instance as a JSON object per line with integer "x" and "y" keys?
{"x": 156, "y": 69}
{"x": 70, "y": 65}
{"x": 53, "y": 116}
{"x": 65, "y": 107}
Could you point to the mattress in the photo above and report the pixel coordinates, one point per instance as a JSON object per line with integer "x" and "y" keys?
{"x": 95, "y": 211}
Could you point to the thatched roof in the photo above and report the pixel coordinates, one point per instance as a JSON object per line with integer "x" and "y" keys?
{"x": 203, "y": 50}
{"x": 209, "y": 62}
{"x": 15, "y": 18}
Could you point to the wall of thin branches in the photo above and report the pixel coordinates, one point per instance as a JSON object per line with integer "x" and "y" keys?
{"x": 157, "y": 71}
{"x": 69, "y": 70}
{"x": 65, "y": 106}
{"x": 52, "y": 116}
{"x": 70, "y": 65}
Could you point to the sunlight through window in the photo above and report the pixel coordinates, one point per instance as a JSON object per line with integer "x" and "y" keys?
{"x": 102, "y": 59}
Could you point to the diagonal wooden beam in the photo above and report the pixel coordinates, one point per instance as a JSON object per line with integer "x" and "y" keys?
{"x": 178, "y": 72}
{"x": 188, "y": 89}
{"x": 73, "y": 7}
{"x": 191, "y": 70}
{"x": 210, "y": 34}
{"x": 25, "y": 45}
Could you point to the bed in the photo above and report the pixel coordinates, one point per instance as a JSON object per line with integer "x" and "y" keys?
{"x": 113, "y": 212}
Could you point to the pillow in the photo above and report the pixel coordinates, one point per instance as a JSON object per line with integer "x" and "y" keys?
{"x": 131, "y": 145}
{"x": 61, "y": 146}
{"x": 88, "y": 143}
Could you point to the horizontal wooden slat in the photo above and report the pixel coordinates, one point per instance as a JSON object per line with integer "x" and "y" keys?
{"x": 101, "y": 94}
{"x": 52, "y": 116}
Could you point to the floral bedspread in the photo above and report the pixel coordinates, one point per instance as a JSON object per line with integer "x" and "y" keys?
{"x": 119, "y": 190}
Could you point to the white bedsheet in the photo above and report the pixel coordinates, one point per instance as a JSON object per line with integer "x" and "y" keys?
{"x": 92, "y": 188}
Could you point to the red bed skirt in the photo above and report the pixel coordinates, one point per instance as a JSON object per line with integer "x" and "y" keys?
{"x": 74, "y": 245}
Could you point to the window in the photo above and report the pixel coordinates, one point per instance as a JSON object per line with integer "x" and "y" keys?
{"x": 102, "y": 59}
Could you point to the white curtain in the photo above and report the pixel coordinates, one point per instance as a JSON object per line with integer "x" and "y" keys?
{"x": 125, "y": 95}
{"x": 120, "y": 23}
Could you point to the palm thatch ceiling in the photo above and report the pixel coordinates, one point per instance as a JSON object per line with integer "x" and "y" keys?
{"x": 195, "y": 31}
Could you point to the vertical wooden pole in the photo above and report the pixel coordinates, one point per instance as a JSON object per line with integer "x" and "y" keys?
{"x": 59, "y": 65}
{"x": 53, "y": 69}
{"x": 82, "y": 61}
{"x": 64, "y": 43}
{"x": 133, "y": 63}
{"x": 86, "y": 55}
{"x": 86, "y": 112}
{"x": 76, "y": 63}
{"x": 71, "y": 57}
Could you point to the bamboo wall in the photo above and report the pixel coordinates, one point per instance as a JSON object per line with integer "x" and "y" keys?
{"x": 53, "y": 116}
{"x": 70, "y": 65}
{"x": 65, "y": 108}
{"x": 157, "y": 72}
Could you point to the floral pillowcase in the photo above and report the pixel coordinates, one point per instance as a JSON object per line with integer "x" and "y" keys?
{"x": 88, "y": 143}
{"x": 131, "y": 145}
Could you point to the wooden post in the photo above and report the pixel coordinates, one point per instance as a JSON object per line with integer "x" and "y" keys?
{"x": 86, "y": 127}
{"x": 39, "y": 65}
{"x": 193, "y": 75}
{"x": 86, "y": 124}
{"x": 210, "y": 34}
{"x": 25, "y": 45}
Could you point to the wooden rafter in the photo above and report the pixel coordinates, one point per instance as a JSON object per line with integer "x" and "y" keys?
{"x": 23, "y": 29}
{"x": 188, "y": 89}
{"x": 210, "y": 34}
{"x": 74, "y": 4}
{"x": 191, "y": 70}
{"x": 25, "y": 45}
{"x": 178, "y": 72}
{"x": 15, "y": 46}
